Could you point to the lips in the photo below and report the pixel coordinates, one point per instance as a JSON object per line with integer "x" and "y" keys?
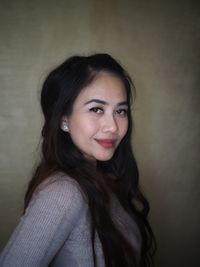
{"x": 106, "y": 143}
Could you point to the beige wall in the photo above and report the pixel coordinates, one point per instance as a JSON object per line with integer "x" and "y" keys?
{"x": 158, "y": 42}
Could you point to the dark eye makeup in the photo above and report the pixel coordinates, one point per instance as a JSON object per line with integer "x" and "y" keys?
{"x": 96, "y": 110}
{"x": 122, "y": 112}
{"x": 99, "y": 110}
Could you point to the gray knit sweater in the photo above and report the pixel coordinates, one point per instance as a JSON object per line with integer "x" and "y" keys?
{"x": 55, "y": 230}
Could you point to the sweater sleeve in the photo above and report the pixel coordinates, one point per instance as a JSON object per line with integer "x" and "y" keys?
{"x": 46, "y": 225}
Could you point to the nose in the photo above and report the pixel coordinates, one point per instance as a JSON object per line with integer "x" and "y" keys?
{"x": 110, "y": 124}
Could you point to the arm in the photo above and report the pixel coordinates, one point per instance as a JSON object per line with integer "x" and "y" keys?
{"x": 46, "y": 225}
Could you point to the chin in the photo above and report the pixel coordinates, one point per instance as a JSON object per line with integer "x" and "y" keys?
{"x": 104, "y": 157}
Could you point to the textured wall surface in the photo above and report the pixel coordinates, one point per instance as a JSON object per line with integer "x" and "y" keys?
{"x": 158, "y": 42}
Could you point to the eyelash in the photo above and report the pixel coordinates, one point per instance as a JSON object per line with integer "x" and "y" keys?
{"x": 98, "y": 110}
{"x": 122, "y": 112}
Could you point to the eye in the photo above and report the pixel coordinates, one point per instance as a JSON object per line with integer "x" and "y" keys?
{"x": 97, "y": 110}
{"x": 122, "y": 112}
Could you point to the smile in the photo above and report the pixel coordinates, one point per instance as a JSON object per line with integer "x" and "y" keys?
{"x": 106, "y": 143}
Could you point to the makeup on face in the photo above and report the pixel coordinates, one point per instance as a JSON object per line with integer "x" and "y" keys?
{"x": 99, "y": 120}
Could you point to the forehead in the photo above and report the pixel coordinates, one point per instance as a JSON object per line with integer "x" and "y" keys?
{"x": 105, "y": 86}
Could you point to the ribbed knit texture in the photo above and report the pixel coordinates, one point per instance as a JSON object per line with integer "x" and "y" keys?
{"x": 55, "y": 230}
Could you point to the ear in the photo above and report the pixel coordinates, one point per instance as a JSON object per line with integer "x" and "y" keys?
{"x": 64, "y": 124}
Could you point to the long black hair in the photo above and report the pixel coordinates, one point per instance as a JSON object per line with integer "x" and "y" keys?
{"x": 119, "y": 174}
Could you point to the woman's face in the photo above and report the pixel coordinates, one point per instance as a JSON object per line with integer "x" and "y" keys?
{"x": 99, "y": 121}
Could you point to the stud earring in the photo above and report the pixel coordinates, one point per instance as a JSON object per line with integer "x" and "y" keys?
{"x": 64, "y": 127}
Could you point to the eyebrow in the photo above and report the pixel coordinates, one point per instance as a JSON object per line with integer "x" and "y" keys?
{"x": 104, "y": 102}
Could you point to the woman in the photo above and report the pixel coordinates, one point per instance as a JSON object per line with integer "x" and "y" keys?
{"x": 81, "y": 204}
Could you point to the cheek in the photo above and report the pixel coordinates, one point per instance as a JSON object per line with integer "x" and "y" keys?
{"x": 85, "y": 127}
{"x": 123, "y": 128}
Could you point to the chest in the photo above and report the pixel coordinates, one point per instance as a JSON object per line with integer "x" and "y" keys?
{"x": 77, "y": 250}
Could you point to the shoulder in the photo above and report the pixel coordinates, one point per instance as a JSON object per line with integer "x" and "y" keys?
{"x": 61, "y": 183}
{"x": 56, "y": 208}
{"x": 59, "y": 192}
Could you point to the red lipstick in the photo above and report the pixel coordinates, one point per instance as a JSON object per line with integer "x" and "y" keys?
{"x": 106, "y": 143}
